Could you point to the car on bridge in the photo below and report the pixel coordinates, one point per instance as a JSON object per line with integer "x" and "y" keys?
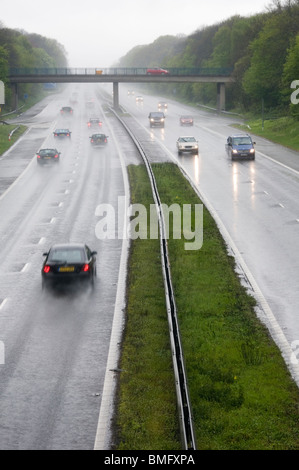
{"x": 156, "y": 71}
{"x": 62, "y": 133}
{"x": 139, "y": 99}
{"x": 240, "y": 146}
{"x": 187, "y": 144}
{"x": 47, "y": 156}
{"x": 98, "y": 140}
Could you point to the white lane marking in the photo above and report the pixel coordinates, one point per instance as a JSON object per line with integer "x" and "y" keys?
{"x": 3, "y": 303}
{"x": 25, "y": 268}
{"x": 104, "y": 421}
{"x": 279, "y": 163}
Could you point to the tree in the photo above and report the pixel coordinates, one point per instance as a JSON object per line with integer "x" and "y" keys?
{"x": 290, "y": 77}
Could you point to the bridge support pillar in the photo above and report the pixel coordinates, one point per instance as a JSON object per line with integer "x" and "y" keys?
{"x": 15, "y": 95}
{"x": 220, "y": 97}
{"x": 115, "y": 96}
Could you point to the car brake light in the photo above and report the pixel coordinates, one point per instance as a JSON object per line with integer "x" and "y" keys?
{"x": 47, "y": 269}
{"x": 85, "y": 268}
{"x": 56, "y": 156}
{"x": 38, "y": 156}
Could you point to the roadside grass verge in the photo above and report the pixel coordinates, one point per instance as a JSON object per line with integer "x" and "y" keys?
{"x": 241, "y": 392}
{"x": 5, "y": 130}
{"x": 282, "y": 130}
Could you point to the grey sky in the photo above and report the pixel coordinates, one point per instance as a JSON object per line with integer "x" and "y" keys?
{"x": 96, "y": 33}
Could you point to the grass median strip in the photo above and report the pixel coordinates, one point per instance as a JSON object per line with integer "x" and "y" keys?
{"x": 241, "y": 393}
{"x": 5, "y": 130}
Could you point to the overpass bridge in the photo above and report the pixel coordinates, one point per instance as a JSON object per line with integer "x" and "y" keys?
{"x": 116, "y": 75}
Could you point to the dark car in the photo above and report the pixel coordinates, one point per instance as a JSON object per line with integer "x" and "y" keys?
{"x": 62, "y": 133}
{"x": 66, "y": 110}
{"x": 47, "y": 156}
{"x": 186, "y": 121}
{"x": 98, "y": 139}
{"x": 94, "y": 122}
{"x": 67, "y": 263}
{"x": 156, "y": 119}
{"x": 240, "y": 146}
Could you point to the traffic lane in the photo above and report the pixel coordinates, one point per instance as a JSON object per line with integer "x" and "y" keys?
{"x": 33, "y": 428}
{"x": 56, "y": 346}
{"x": 261, "y": 215}
{"x": 69, "y": 311}
{"x": 258, "y": 210}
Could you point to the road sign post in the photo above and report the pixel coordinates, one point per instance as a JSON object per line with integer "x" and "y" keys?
{"x": 2, "y": 93}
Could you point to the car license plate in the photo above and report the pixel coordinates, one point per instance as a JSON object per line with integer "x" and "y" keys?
{"x": 66, "y": 269}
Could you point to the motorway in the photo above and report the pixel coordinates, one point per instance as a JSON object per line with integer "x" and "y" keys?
{"x": 255, "y": 204}
{"x": 56, "y": 346}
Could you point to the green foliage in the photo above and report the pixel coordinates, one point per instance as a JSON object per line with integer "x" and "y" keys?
{"x": 262, "y": 50}
{"x": 3, "y": 63}
{"x": 19, "y": 49}
{"x": 242, "y": 396}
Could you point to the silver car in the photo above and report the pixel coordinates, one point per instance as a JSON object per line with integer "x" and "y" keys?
{"x": 187, "y": 144}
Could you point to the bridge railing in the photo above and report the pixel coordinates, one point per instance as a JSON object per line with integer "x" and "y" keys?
{"x": 191, "y": 71}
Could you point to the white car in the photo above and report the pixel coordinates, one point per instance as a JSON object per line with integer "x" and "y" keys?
{"x": 187, "y": 144}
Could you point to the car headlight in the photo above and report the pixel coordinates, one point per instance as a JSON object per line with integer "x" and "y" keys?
{"x": 251, "y": 150}
{"x": 235, "y": 151}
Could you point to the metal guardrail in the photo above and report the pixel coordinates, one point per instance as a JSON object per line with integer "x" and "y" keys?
{"x": 184, "y": 406}
{"x": 179, "y": 71}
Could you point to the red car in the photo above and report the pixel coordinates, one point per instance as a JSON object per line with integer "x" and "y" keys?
{"x": 157, "y": 71}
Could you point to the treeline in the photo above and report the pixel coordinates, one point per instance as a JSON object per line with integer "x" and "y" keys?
{"x": 262, "y": 50}
{"x": 21, "y": 49}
